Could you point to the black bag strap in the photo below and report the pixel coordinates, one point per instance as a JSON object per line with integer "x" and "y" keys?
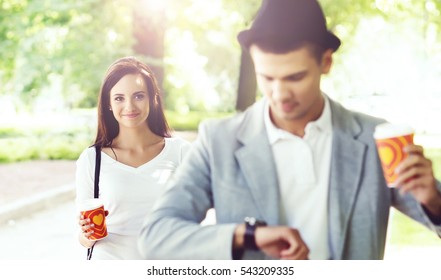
{"x": 96, "y": 187}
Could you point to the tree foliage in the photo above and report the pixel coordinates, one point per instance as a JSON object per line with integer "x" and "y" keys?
{"x": 73, "y": 42}
{"x": 202, "y": 53}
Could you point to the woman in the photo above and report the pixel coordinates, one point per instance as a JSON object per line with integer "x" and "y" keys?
{"x": 137, "y": 157}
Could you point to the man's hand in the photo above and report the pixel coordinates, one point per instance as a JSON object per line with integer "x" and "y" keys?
{"x": 415, "y": 175}
{"x": 280, "y": 242}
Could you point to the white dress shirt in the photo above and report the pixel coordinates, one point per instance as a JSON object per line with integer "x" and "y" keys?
{"x": 303, "y": 166}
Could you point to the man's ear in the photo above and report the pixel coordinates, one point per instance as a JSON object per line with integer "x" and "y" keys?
{"x": 327, "y": 61}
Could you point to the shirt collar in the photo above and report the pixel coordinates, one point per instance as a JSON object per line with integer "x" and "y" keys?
{"x": 322, "y": 125}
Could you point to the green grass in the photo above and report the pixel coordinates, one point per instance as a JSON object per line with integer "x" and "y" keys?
{"x": 8, "y": 132}
{"x": 18, "y": 149}
{"x": 406, "y": 232}
{"x": 190, "y": 121}
{"x": 43, "y": 143}
{"x": 66, "y": 143}
{"x": 64, "y": 147}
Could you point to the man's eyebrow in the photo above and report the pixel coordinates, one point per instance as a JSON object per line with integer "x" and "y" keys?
{"x": 295, "y": 75}
{"x": 287, "y": 77}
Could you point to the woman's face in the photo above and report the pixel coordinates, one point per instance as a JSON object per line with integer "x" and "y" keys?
{"x": 129, "y": 101}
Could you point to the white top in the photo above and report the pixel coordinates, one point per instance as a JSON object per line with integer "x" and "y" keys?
{"x": 303, "y": 167}
{"x": 128, "y": 193}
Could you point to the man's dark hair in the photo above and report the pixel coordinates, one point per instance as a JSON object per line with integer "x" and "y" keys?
{"x": 280, "y": 47}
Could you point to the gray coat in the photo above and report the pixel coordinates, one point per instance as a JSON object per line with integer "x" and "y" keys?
{"x": 231, "y": 168}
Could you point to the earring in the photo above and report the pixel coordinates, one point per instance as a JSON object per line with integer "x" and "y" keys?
{"x": 110, "y": 108}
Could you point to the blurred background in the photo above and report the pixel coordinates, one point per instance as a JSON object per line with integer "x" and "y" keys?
{"x": 54, "y": 53}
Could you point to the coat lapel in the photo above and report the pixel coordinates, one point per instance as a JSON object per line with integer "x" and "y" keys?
{"x": 346, "y": 169}
{"x": 255, "y": 159}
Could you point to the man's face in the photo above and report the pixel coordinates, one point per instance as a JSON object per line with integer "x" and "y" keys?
{"x": 291, "y": 83}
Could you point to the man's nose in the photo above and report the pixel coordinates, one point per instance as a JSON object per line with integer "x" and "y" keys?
{"x": 280, "y": 90}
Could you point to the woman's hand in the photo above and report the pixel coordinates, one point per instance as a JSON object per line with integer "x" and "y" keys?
{"x": 86, "y": 230}
{"x": 86, "y": 226}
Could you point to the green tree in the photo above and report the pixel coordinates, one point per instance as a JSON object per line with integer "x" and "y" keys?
{"x": 75, "y": 40}
{"x": 202, "y": 53}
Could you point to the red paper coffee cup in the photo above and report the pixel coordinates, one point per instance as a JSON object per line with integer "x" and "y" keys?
{"x": 390, "y": 140}
{"x": 93, "y": 209}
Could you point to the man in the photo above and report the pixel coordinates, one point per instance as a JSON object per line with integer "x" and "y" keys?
{"x": 298, "y": 168}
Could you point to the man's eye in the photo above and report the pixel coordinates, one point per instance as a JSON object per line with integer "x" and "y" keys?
{"x": 296, "y": 77}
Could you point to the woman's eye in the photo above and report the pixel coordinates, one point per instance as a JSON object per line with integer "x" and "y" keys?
{"x": 139, "y": 96}
{"x": 118, "y": 98}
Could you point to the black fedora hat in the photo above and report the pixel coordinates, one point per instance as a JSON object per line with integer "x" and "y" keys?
{"x": 290, "y": 22}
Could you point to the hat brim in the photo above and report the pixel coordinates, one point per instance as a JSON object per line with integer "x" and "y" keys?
{"x": 247, "y": 37}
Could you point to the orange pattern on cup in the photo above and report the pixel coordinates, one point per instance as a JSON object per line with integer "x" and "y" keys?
{"x": 391, "y": 154}
{"x": 97, "y": 217}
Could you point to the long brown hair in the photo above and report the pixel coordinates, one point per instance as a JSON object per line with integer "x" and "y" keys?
{"x": 108, "y": 127}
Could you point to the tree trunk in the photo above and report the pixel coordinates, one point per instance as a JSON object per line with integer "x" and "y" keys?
{"x": 149, "y": 30}
{"x": 246, "y": 93}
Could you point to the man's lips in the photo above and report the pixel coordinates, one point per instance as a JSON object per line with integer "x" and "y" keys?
{"x": 288, "y": 106}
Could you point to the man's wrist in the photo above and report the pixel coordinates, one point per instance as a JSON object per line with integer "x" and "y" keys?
{"x": 238, "y": 240}
{"x": 250, "y": 228}
{"x": 433, "y": 210}
{"x": 433, "y": 207}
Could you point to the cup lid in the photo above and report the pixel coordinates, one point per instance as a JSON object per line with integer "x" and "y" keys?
{"x": 390, "y": 130}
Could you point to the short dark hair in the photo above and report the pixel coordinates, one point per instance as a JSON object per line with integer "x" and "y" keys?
{"x": 280, "y": 47}
{"x": 108, "y": 127}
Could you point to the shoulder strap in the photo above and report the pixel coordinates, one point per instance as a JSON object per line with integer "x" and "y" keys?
{"x": 96, "y": 189}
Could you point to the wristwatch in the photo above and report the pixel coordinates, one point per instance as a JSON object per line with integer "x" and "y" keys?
{"x": 251, "y": 224}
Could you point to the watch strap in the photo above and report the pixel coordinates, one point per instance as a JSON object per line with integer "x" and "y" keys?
{"x": 250, "y": 228}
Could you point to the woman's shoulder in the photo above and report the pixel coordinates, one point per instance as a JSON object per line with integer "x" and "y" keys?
{"x": 177, "y": 146}
{"x": 87, "y": 154}
{"x": 177, "y": 141}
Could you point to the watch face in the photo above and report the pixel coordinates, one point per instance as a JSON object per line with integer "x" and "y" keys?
{"x": 250, "y": 220}
{"x": 254, "y": 222}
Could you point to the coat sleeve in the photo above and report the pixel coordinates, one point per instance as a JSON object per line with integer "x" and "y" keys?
{"x": 435, "y": 225}
{"x": 173, "y": 230}
{"x": 409, "y": 206}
